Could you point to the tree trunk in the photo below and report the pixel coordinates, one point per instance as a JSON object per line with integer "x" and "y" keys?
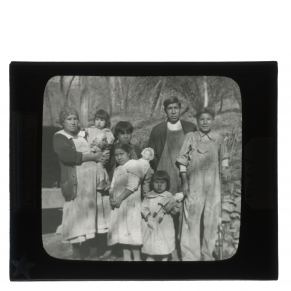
{"x": 205, "y": 93}
{"x": 237, "y": 97}
{"x": 158, "y": 89}
{"x": 127, "y": 94}
{"x": 221, "y": 103}
{"x": 122, "y": 97}
{"x": 68, "y": 91}
{"x": 62, "y": 85}
{"x": 160, "y": 103}
{"x": 112, "y": 94}
{"x": 48, "y": 104}
{"x": 109, "y": 96}
{"x": 84, "y": 100}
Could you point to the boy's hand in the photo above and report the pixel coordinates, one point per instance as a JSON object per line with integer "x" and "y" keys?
{"x": 170, "y": 204}
{"x": 224, "y": 172}
{"x": 179, "y": 197}
{"x": 186, "y": 190}
{"x": 112, "y": 203}
{"x": 118, "y": 201}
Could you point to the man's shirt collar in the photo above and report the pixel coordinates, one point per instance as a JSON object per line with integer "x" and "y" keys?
{"x": 208, "y": 134}
{"x": 175, "y": 126}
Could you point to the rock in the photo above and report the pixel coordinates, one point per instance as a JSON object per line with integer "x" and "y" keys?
{"x": 235, "y": 215}
{"x": 236, "y": 234}
{"x": 229, "y": 201}
{"x": 235, "y": 224}
{"x": 228, "y": 250}
{"x": 225, "y": 216}
{"x": 226, "y": 197}
{"x": 237, "y": 184}
{"x": 237, "y": 200}
{"x": 228, "y": 207}
{"x": 238, "y": 208}
{"x": 238, "y": 191}
{"x": 235, "y": 243}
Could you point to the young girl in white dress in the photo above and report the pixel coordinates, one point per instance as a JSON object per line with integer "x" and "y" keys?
{"x": 158, "y": 226}
{"x": 125, "y": 199}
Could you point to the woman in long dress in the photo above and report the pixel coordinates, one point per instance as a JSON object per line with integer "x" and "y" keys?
{"x": 78, "y": 182}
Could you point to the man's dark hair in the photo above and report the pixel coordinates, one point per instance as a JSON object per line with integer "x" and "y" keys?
{"x": 123, "y": 127}
{"x": 207, "y": 110}
{"x": 171, "y": 100}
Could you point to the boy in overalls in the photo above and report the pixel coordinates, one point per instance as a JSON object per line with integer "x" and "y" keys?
{"x": 202, "y": 156}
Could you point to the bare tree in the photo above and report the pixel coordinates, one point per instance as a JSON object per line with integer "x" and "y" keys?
{"x": 48, "y": 104}
{"x": 186, "y": 109}
{"x": 190, "y": 88}
{"x": 205, "y": 92}
{"x": 68, "y": 91}
{"x": 112, "y": 92}
{"x": 158, "y": 88}
{"x": 84, "y": 101}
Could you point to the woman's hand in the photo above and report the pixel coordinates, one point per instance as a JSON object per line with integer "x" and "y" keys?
{"x": 107, "y": 187}
{"x": 186, "y": 190}
{"x": 104, "y": 158}
{"x": 97, "y": 157}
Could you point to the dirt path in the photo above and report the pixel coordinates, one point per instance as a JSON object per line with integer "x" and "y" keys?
{"x": 55, "y": 248}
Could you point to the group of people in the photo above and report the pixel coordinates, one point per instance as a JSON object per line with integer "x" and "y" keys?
{"x": 151, "y": 200}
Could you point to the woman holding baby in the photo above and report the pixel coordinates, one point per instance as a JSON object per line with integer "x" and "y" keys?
{"x": 85, "y": 182}
{"x": 78, "y": 183}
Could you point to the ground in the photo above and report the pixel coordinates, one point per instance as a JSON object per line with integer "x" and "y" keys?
{"x": 55, "y": 248}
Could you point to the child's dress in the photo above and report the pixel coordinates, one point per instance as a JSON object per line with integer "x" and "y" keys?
{"x": 125, "y": 221}
{"x": 102, "y": 179}
{"x": 158, "y": 237}
{"x": 94, "y": 131}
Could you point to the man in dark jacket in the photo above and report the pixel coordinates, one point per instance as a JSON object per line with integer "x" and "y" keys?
{"x": 166, "y": 139}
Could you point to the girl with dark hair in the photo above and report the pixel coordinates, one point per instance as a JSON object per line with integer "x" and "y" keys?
{"x": 125, "y": 200}
{"x": 157, "y": 225}
{"x": 202, "y": 157}
{"x": 101, "y": 124}
{"x": 123, "y": 133}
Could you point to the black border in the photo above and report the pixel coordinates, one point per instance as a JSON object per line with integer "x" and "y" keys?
{"x": 257, "y": 255}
